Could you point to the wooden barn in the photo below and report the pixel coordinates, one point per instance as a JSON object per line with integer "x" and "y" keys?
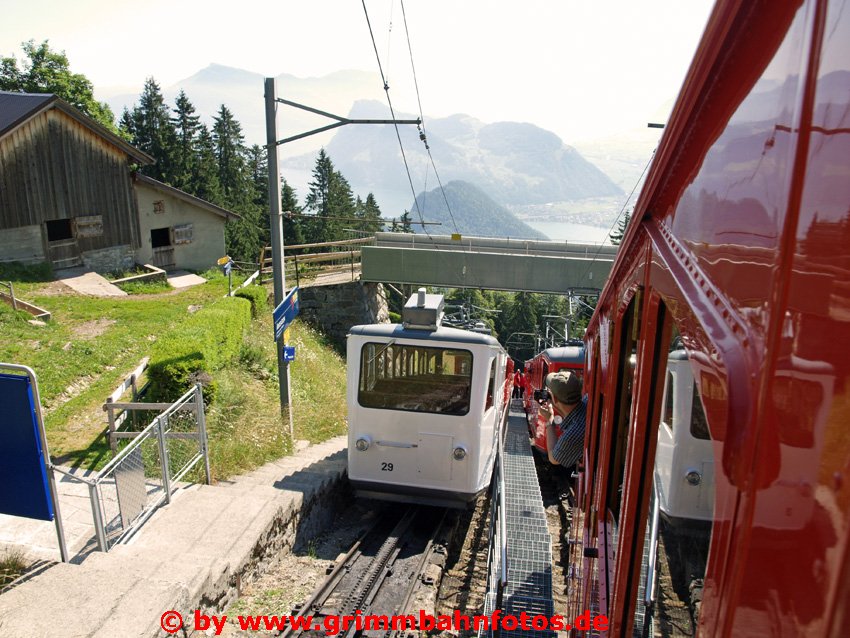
{"x": 66, "y": 188}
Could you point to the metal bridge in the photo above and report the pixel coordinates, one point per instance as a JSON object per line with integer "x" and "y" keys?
{"x": 486, "y": 263}
{"x": 451, "y": 262}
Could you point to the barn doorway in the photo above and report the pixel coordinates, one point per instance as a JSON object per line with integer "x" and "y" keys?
{"x": 62, "y": 248}
{"x": 163, "y": 250}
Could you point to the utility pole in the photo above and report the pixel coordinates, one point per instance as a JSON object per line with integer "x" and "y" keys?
{"x": 276, "y": 221}
{"x": 278, "y": 272}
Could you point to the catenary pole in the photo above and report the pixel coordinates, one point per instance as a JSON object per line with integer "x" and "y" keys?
{"x": 276, "y": 221}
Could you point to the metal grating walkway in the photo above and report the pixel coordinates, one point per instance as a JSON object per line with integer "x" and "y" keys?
{"x": 529, "y": 547}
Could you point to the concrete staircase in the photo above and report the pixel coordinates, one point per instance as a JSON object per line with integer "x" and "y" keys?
{"x": 192, "y": 554}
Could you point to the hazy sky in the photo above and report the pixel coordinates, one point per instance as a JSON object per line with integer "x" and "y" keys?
{"x": 583, "y": 68}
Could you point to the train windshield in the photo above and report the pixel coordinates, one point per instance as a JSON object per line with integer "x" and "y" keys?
{"x": 415, "y": 378}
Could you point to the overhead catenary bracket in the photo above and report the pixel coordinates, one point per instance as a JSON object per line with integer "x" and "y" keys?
{"x": 340, "y": 121}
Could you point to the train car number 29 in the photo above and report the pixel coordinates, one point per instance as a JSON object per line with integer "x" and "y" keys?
{"x": 386, "y": 467}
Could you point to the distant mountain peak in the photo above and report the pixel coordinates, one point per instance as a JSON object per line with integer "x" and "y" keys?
{"x": 473, "y": 212}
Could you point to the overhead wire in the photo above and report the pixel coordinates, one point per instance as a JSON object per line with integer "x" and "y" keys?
{"x": 392, "y": 114}
{"x": 423, "y": 136}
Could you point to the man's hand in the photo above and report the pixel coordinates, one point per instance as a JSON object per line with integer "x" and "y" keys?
{"x": 545, "y": 413}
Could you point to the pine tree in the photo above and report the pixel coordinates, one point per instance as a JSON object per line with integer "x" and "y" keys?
{"x": 46, "y": 71}
{"x": 521, "y": 317}
{"x": 186, "y": 125}
{"x": 326, "y": 189}
{"x": 293, "y": 234}
{"x": 371, "y": 213}
{"x": 153, "y": 132}
{"x": 620, "y": 231}
{"x": 406, "y": 220}
{"x": 258, "y": 168}
{"x": 204, "y": 178}
{"x": 342, "y": 206}
{"x": 233, "y": 175}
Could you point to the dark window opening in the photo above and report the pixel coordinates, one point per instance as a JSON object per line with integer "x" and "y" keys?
{"x": 699, "y": 424}
{"x": 59, "y": 229}
{"x": 668, "y": 401}
{"x": 491, "y": 387}
{"x": 160, "y": 237}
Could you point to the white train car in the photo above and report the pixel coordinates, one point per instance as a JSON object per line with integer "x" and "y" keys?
{"x": 426, "y": 405}
{"x": 684, "y": 460}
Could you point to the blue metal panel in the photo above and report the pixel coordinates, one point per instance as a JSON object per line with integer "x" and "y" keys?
{"x": 286, "y": 312}
{"x": 23, "y": 477}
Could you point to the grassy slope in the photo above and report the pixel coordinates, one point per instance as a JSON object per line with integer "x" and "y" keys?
{"x": 91, "y": 344}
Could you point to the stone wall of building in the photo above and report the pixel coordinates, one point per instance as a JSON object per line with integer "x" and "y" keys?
{"x": 112, "y": 259}
{"x": 334, "y": 309}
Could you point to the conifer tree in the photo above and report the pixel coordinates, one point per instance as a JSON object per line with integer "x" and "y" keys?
{"x": 293, "y": 233}
{"x": 204, "y": 179}
{"x": 620, "y": 231}
{"x": 521, "y": 317}
{"x": 187, "y": 125}
{"x": 321, "y": 201}
{"x": 405, "y": 225}
{"x": 370, "y": 212}
{"x": 233, "y": 175}
{"x": 153, "y": 131}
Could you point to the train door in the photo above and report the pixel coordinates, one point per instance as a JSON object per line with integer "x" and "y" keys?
{"x": 659, "y": 563}
{"x": 627, "y": 333}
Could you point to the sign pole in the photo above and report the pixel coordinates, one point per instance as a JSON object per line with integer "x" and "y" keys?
{"x": 276, "y": 222}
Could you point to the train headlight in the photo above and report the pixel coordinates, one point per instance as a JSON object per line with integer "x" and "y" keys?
{"x": 693, "y": 477}
{"x": 362, "y": 443}
{"x": 459, "y": 453}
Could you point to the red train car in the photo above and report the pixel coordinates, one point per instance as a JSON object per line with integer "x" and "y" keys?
{"x": 550, "y": 360}
{"x": 739, "y": 250}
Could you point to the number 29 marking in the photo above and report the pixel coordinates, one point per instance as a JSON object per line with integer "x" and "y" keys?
{"x": 386, "y": 467}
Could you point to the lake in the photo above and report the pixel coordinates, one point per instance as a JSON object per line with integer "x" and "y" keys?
{"x": 566, "y": 231}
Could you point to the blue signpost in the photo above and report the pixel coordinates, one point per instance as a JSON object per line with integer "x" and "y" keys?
{"x": 27, "y": 487}
{"x": 285, "y": 313}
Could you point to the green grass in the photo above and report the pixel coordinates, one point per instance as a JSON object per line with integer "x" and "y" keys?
{"x": 145, "y": 287}
{"x": 92, "y": 344}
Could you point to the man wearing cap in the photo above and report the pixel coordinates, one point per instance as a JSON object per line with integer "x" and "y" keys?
{"x": 565, "y": 447}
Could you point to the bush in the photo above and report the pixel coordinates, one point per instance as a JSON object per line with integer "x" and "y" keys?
{"x": 206, "y": 341}
{"x": 395, "y": 317}
{"x": 258, "y": 296}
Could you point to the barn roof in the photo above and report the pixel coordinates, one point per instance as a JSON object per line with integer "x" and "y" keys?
{"x": 186, "y": 197}
{"x": 18, "y": 108}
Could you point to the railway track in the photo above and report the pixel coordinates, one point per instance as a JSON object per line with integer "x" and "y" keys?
{"x": 378, "y": 575}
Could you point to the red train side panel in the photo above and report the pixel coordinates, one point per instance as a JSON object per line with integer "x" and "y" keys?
{"x": 739, "y": 243}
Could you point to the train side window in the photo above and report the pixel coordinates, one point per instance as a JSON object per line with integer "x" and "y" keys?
{"x": 699, "y": 424}
{"x": 668, "y": 401}
{"x": 491, "y": 386}
{"x": 401, "y": 377}
{"x": 626, "y": 367}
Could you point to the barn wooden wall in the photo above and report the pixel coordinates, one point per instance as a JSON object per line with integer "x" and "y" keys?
{"x": 52, "y": 167}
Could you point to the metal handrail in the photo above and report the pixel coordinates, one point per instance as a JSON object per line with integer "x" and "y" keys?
{"x": 129, "y": 449}
{"x": 649, "y": 589}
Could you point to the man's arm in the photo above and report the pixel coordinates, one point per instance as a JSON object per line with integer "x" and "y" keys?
{"x": 551, "y": 442}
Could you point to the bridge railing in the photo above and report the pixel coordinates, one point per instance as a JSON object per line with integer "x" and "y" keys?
{"x": 340, "y": 256}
